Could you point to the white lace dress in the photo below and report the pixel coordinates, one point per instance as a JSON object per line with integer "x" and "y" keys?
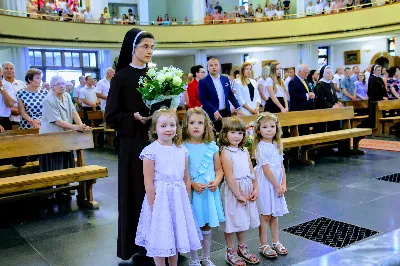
{"x": 170, "y": 226}
{"x": 268, "y": 202}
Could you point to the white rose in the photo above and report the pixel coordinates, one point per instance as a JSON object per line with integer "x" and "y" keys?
{"x": 179, "y": 73}
{"x": 161, "y": 77}
{"x": 152, "y": 72}
{"x": 176, "y": 81}
{"x": 165, "y": 69}
{"x": 168, "y": 76}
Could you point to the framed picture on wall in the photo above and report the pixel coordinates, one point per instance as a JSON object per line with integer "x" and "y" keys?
{"x": 352, "y": 57}
{"x": 267, "y": 62}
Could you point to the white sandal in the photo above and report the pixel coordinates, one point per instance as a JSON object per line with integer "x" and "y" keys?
{"x": 280, "y": 249}
{"x": 194, "y": 263}
{"x": 206, "y": 261}
{"x": 270, "y": 254}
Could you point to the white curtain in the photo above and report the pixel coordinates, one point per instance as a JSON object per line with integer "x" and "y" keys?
{"x": 16, "y": 5}
{"x": 104, "y": 61}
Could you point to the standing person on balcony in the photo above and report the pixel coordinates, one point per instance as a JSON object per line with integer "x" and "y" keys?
{"x": 88, "y": 15}
{"x": 106, "y": 15}
{"x": 61, "y": 6}
{"x": 129, "y": 116}
{"x": 216, "y": 17}
{"x": 286, "y": 7}
{"x": 310, "y": 9}
{"x": 9, "y": 75}
{"x": 207, "y": 18}
{"x": 31, "y": 9}
{"x": 277, "y": 101}
{"x": 215, "y": 94}
{"x": 198, "y": 73}
{"x": 210, "y": 10}
{"x": 217, "y": 6}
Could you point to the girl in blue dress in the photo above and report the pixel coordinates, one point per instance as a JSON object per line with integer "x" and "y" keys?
{"x": 206, "y": 173}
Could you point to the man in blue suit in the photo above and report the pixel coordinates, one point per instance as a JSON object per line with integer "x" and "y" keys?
{"x": 215, "y": 94}
{"x": 301, "y": 97}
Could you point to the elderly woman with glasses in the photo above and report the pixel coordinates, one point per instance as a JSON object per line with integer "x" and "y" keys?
{"x": 58, "y": 115}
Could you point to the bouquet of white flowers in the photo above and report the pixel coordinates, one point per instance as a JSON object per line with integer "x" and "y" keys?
{"x": 161, "y": 87}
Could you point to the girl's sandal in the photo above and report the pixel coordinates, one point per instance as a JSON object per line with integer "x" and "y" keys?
{"x": 268, "y": 252}
{"x": 279, "y": 248}
{"x": 232, "y": 258}
{"x": 246, "y": 255}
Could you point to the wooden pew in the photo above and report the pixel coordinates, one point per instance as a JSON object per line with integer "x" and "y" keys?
{"x": 27, "y": 145}
{"x": 358, "y": 106}
{"x": 98, "y": 132}
{"x": 385, "y": 123}
{"x": 28, "y": 168}
{"x": 295, "y": 119}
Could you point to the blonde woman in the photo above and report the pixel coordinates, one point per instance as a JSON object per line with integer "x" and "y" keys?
{"x": 262, "y": 87}
{"x": 246, "y": 92}
{"x": 277, "y": 101}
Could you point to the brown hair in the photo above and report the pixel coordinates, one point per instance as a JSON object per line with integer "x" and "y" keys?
{"x": 232, "y": 124}
{"x": 243, "y": 78}
{"x": 208, "y": 135}
{"x": 31, "y": 73}
{"x": 277, "y": 80}
{"x": 165, "y": 112}
{"x": 257, "y": 134}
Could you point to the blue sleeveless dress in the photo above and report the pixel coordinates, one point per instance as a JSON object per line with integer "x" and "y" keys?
{"x": 207, "y": 206}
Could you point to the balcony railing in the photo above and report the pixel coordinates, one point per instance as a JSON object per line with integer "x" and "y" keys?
{"x": 113, "y": 21}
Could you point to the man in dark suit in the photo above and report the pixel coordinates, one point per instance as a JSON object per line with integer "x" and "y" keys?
{"x": 301, "y": 97}
{"x": 215, "y": 93}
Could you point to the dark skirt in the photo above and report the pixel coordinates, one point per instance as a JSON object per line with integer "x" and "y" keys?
{"x": 56, "y": 161}
{"x": 271, "y": 107}
{"x": 131, "y": 194}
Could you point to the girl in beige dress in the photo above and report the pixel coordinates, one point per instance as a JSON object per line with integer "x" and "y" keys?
{"x": 240, "y": 192}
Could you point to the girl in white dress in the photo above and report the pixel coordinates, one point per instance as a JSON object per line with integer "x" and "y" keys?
{"x": 240, "y": 192}
{"x": 166, "y": 223}
{"x": 246, "y": 91}
{"x": 271, "y": 178}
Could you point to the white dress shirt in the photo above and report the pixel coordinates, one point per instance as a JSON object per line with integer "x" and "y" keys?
{"x": 89, "y": 94}
{"x": 103, "y": 87}
{"x": 318, "y": 9}
{"x": 336, "y": 80}
{"x": 77, "y": 90}
{"x": 17, "y": 86}
{"x": 328, "y": 10}
{"x": 287, "y": 80}
{"x": 310, "y": 10}
{"x": 261, "y": 82}
{"x": 220, "y": 91}
{"x": 5, "y": 111}
{"x": 243, "y": 95}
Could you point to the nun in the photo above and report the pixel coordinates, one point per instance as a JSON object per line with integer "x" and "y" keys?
{"x": 376, "y": 92}
{"x": 129, "y": 116}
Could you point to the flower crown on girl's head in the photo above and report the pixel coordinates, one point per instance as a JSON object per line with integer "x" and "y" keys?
{"x": 269, "y": 115}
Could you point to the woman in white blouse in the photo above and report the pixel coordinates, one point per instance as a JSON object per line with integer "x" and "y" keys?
{"x": 262, "y": 86}
{"x": 246, "y": 91}
{"x": 277, "y": 101}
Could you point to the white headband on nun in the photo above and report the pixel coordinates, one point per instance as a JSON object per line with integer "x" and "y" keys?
{"x": 134, "y": 41}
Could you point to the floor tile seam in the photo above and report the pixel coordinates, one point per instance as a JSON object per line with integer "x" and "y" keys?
{"x": 40, "y": 254}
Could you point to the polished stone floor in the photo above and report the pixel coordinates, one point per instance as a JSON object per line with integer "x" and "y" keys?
{"x": 342, "y": 189}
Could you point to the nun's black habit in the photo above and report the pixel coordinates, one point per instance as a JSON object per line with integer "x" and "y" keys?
{"x": 123, "y": 101}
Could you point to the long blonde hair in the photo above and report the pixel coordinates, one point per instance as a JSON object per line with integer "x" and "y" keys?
{"x": 243, "y": 78}
{"x": 232, "y": 124}
{"x": 275, "y": 78}
{"x": 208, "y": 135}
{"x": 165, "y": 112}
{"x": 257, "y": 133}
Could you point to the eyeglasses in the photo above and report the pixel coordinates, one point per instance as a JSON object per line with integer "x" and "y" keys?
{"x": 61, "y": 84}
{"x": 147, "y": 47}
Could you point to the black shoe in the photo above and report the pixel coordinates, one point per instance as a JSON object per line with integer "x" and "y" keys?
{"x": 143, "y": 261}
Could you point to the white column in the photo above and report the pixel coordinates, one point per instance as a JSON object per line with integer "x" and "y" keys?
{"x": 16, "y": 5}
{"x": 104, "y": 61}
{"x": 301, "y": 6}
{"x": 198, "y": 11}
{"x": 143, "y": 11}
{"x": 98, "y": 8}
{"x": 307, "y": 54}
{"x": 200, "y": 58}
